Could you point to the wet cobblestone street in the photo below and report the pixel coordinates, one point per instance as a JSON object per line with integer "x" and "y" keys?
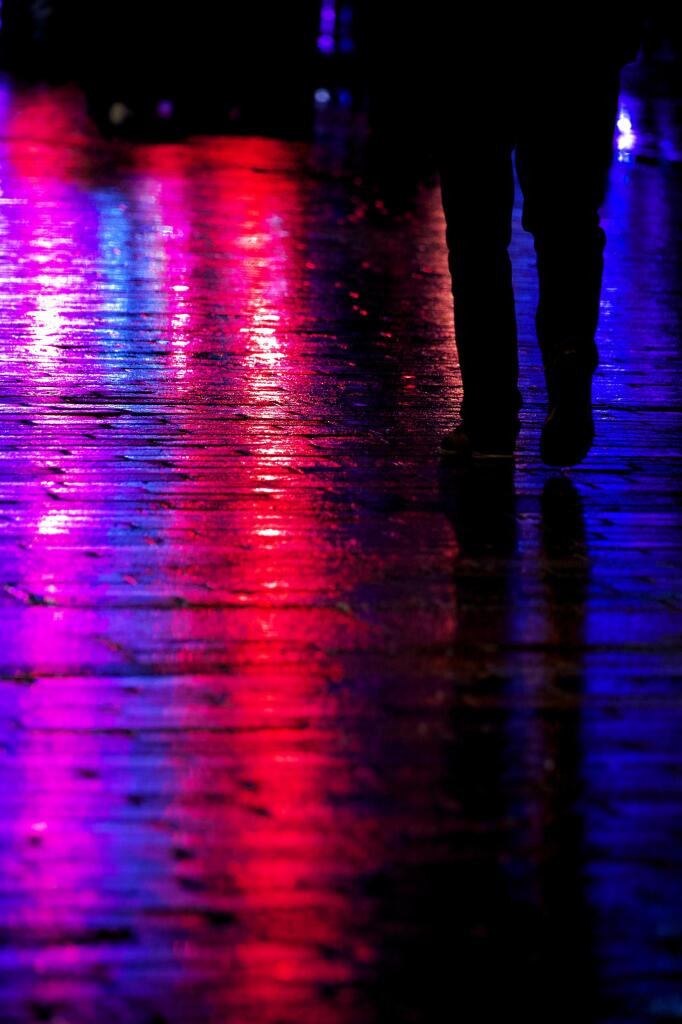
{"x": 300, "y": 724}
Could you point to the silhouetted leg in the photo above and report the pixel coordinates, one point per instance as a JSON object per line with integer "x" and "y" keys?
{"x": 563, "y": 155}
{"x": 478, "y": 194}
{"x": 566, "y": 121}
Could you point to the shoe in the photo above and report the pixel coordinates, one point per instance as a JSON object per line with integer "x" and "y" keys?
{"x": 568, "y": 431}
{"x": 463, "y": 443}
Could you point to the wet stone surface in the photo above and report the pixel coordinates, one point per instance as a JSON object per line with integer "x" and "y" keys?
{"x": 299, "y": 725}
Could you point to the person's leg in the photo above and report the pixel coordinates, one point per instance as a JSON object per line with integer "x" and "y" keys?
{"x": 563, "y": 154}
{"x": 478, "y": 192}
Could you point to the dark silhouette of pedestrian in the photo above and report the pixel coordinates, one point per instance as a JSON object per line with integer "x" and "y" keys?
{"x": 545, "y": 87}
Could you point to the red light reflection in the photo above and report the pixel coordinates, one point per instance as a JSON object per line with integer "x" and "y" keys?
{"x": 254, "y": 812}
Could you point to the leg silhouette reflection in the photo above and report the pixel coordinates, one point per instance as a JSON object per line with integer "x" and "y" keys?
{"x": 500, "y": 918}
{"x": 567, "y": 922}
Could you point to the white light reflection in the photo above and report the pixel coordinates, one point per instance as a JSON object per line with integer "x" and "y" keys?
{"x": 45, "y": 326}
{"x": 626, "y": 138}
{"x": 54, "y": 523}
{"x": 265, "y": 348}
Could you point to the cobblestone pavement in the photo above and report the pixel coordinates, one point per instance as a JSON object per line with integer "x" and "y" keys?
{"x": 297, "y": 724}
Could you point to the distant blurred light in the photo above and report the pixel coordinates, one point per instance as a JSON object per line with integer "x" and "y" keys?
{"x": 322, "y": 96}
{"x": 325, "y": 43}
{"x": 345, "y": 97}
{"x": 118, "y": 113}
{"x": 345, "y": 31}
{"x": 165, "y": 109}
{"x": 327, "y": 17}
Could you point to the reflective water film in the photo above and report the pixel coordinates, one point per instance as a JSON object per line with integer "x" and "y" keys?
{"x": 298, "y": 725}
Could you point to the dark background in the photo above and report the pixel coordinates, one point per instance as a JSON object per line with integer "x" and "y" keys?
{"x": 239, "y": 67}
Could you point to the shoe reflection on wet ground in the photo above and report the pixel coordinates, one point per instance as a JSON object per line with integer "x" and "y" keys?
{"x": 298, "y": 723}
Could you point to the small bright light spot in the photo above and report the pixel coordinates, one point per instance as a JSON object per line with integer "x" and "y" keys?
{"x": 269, "y": 532}
{"x": 626, "y": 139}
{"x": 53, "y": 523}
{"x": 118, "y": 113}
{"x": 180, "y": 320}
{"x": 39, "y": 826}
{"x": 322, "y": 96}
{"x": 624, "y": 124}
{"x": 325, "y": 43}
{"x": 165, "y": 109}
{"x": 251, "y": 241}
{"x": 626, "y": 143}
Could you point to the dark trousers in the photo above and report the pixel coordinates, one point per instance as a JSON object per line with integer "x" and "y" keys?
{"x": 558, "y": 116}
